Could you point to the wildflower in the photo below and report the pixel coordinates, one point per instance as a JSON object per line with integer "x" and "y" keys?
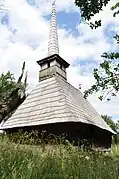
{"x": 87, "y": 158}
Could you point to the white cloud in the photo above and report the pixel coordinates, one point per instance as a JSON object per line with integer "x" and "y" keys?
{"x": 44, "y": 6}
{"x": 29, "y": 43}
{"x": 106, "y": 108}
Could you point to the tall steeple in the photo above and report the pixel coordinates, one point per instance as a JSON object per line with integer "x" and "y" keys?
{"x": 53, "y": 47}
{"x": 53, "y": 64}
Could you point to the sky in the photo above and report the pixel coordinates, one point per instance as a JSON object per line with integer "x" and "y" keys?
{"x": 24, "y": 30}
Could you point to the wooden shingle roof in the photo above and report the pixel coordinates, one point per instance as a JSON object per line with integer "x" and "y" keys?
{"x": 54, "y": 100}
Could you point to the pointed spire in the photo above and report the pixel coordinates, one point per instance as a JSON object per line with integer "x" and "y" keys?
{"x": 53, "y": 47}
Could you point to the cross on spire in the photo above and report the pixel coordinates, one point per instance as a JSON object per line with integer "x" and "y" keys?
{"x": 53, "y": 47}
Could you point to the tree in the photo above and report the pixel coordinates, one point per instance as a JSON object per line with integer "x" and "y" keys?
{"x": 12, "y": 93}
{"x": 114, "y": 126}
{"x": 7, "y": 85}
{"x": 107, "y": 76}
{"x": 90, "y": 8}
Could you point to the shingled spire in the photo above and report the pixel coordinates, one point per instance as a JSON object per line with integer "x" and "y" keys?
{"x": 53, "y": 64}
{"x": 53, "y": 47}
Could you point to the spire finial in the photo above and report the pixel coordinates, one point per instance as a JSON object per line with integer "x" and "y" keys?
{"x": 53, "y": 47}
{"x": 54, "y": 2}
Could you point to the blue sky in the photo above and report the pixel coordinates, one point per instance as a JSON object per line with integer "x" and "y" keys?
{"x": 68, "y": 21}
{"x": 25, "y": 27}
{"x": 5, "y": 19}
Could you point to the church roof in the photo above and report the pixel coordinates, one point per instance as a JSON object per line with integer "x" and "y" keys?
{"x": 54, "y": 100}
{"x": 52, "y": 57}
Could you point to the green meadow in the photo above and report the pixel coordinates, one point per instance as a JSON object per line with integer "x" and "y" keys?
{"x": 18, "y": 161}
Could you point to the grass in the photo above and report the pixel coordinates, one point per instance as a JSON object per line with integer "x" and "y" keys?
{"x": 115, "y": 150}
{"x": 57, "y": 162}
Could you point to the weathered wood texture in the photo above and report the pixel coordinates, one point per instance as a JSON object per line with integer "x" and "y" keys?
{"x": 54, "y": 100}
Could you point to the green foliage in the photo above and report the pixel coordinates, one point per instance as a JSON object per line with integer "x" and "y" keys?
{"x": 115, "y": 150}
{"x": 114, "y": 126}
{"x": 38, "y": 137}
{"x": 107, "y": 76}
{"x": 90, "y": 8}
{"x": 7, "y": 86}
{"x": 110, "y": 122}
{"x": 12, "y": 93}
{"x": 95, "y": 25}
{"x": 35, "y": 137}
{"x": 61, "y": 162}
{"x": 115, "y": 7}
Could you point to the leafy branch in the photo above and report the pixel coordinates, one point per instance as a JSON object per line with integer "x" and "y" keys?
{"x": 91, "y": 7}
{"x": 107, "y": 76}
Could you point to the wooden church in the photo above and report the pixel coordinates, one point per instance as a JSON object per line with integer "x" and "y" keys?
{"x": 56, "y": 106}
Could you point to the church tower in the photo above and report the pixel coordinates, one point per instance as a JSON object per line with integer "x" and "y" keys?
{"x": 53, "y": 64}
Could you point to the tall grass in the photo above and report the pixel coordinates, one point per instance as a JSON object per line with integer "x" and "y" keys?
{"x": 115, "y": 150}
{"x": 57, "y": 162}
